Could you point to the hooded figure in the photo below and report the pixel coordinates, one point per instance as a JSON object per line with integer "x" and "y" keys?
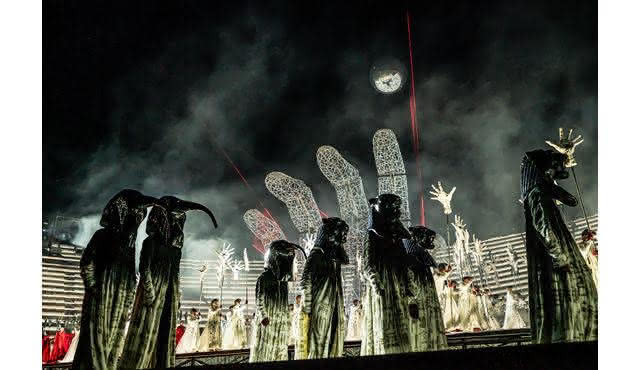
{"x": 427, "y": 331}
{"x": 151, "y": 341}
{"x": 108, "y": 273}
{"x": 322, "y": 327}
{"x": 271, "y": 322}
{"x": 386, "y": 298}
{"x": 563, "y": 301}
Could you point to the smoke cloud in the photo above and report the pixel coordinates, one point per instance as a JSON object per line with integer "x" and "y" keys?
{"x": 270, "y": 94}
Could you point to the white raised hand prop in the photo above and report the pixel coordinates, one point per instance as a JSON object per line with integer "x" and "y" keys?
{"x": 567, "y": 146}
{"x": 443, "y": 197}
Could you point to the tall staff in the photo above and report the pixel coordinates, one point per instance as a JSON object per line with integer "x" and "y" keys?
{"x": 567, "y": 146}
{"x": 246, "y": 268}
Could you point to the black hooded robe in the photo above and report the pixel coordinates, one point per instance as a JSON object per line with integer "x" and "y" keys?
{"x": 151, "y": 338}
{"x": 563, "y": 300}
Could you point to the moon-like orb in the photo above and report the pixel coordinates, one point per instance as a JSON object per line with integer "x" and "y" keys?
{"x": 387, "y": 76}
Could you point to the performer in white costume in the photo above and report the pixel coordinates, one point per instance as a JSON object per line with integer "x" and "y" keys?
{"x": 589, "y": 252}
{"x": 292, "y": 317}
{"x": 354, "y": 325}
{"x": 486, "y": 307}
{"x": 468, "y": 306}
{"x": 235, "y": 333}
{"x": 190, "y": 340}
{"x": 441, "y": 276}
{"x": 295, "y": 320}
{"x": 450, "y": 314}
{"x": 512, "y": 318}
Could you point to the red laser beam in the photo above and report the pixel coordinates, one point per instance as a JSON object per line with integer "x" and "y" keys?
{"x": 414, "y": 125}
{"x": 256, "y": 243}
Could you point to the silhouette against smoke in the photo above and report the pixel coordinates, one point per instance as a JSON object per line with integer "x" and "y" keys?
{"x": 271, "y": 92}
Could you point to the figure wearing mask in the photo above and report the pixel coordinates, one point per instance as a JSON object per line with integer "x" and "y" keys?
{"x": 271, "y": 322}
{"x": 322, "y": 326}
{"x": 151, "y": 338}
{"x": 386, "y": 298}
{"x": 108, "y": 271}
{"x": 427, "y": 330}
{"x": 563, "y": 300}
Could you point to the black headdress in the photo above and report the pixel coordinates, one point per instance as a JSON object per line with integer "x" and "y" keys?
{"x": 535, "y": 171}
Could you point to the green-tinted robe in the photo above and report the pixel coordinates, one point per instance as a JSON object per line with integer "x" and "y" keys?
{"x": 151, "y": 338}
{"x": 324, "y": 300}
{"x": 270, "y": 342}
{"x": 107, "y": 267}
{"x": 427, "y": 331}
{"x": 563, "y": 306}
{"x": 386, "y": 316}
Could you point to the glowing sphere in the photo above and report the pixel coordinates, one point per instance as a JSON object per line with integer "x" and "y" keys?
{"x": 387, "y": 76}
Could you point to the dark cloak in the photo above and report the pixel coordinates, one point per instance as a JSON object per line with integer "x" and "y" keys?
{"x": 386, "y": 298}
{"x": 323, "y": 296}
{"x": 427, "y": 330}
{"x": 563, "y": 300}
{"x": 270, "y": 341}
{"x": 108, "y": 271}
{"x": 151, "y": 339}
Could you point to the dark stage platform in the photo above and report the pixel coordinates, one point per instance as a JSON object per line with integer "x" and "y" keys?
{"x": 574, "y": 356}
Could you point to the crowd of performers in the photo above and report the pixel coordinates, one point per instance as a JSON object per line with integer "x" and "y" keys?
{"x": 405, "y": 305}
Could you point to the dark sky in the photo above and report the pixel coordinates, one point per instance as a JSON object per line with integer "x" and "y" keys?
{"x": 144, "y": 96}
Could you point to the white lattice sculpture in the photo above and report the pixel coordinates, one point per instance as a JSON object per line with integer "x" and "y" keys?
{"x": 346, "y": 180}
{"x": 297, "y": 196}
{"x": 352, "y": 201}
{"x": 264, "y": 228}
{"x": 392, "y": 176}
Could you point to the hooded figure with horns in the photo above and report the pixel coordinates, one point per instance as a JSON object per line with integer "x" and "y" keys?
{"x": 563, "y": 301}
{"x": 387, "y": 294}
{"x": 108, "y": 271}
{"x": 271, "y": 323}
{"x": 151, "y": 338}
{"x": 322, "y": 327}
{"x": 427, "y": 331}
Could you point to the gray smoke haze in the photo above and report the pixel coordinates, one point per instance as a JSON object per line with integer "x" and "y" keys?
{"x": 175, "y": 111}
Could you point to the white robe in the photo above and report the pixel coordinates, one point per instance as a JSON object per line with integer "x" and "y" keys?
{"x": 354, "y": 326}
{"x": 512, "y": 318}
{"x": 441, "y": 288}
{"x": 586, "y": 249}
{"x": 486, "y": 306}
{"x": 235, "y": 333}
{"x": 469, "y": 310}
{"x": 68, "y": 357}
{"x": 450, "y": 313}
{"x": 190, "y": 341}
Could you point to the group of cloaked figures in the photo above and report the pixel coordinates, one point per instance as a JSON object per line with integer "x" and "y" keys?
{"x": 400, "y": 305}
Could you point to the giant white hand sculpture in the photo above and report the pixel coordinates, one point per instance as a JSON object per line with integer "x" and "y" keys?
{"x": 443, "y": 197}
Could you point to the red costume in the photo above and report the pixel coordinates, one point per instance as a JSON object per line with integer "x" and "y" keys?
{"x": 179, "y": 333}
{"x": 45, "y": 349}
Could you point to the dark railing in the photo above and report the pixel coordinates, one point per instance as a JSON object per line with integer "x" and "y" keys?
{"x": 351, "y": 348}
